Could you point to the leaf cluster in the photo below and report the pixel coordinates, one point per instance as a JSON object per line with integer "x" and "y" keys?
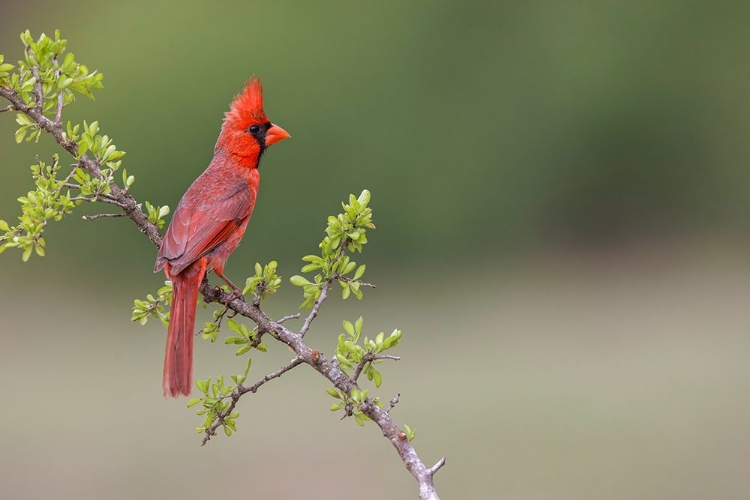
{"x": 49, "y": 201}
{"x": 350, "y": 354}
{"x": 153, "y": 306}
{"x": 60, "y": 75}
{"x": 215, "y": 401}
{"x": 156, "y": 214}
{"x": 246, "y": 339}
{"x": 346, "y": 231}
{"x": 360, "y": 358}
{"x": 352, "y": 403}
{"x": 47, "y": 79}
{"x": 264, "y": 282}
{"x": 105, "y": 153}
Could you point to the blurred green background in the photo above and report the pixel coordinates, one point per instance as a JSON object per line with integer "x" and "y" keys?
{"x": 562, "y": 195}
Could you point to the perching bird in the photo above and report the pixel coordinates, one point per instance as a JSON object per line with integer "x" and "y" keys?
{"x": 209, "y": 223}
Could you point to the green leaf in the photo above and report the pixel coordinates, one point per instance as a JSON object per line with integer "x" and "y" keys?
{"x": 359, "y": 418}
{"x": 194, "y": 402}
{"x": 203, "y": 385}
{"x": 234, "y": 326}
{"x": 360, "y": 271}
{"x": 297, "y": 280}
{"x": 349, "y": 328}
{"x": 342, "y": 360}
{"x": 379, "y": 338}
{"x": 410, "y": 434}
{"x": 20, "y": 134}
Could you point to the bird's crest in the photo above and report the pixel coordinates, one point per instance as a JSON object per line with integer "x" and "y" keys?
{"x": 247, "y": 107}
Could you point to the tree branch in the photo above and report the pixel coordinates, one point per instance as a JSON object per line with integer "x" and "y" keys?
{"x": 240, "y": 390}
{"x": 331, "y": 371}
{"x": 118, "y": 196}
{"x": 304, "y": 354}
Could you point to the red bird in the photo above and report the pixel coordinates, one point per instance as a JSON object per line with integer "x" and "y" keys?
{"x": 209, "y": 223}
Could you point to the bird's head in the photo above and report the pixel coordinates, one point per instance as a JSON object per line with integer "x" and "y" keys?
{"x": 247, "y": 131}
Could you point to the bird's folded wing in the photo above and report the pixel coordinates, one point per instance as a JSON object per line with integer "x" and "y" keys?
{"x": 195, "y": 231}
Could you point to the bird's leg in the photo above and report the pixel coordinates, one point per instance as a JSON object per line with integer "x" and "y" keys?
{"x": 236, "y": 291}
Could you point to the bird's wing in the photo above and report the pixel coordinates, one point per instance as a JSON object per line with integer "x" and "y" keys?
{"x": 196, "y": 230}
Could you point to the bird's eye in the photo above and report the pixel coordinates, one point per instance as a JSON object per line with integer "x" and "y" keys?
{"x": 254, "y": 129}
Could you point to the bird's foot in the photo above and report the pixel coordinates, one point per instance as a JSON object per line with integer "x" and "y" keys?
{"x": 236, "y": 294}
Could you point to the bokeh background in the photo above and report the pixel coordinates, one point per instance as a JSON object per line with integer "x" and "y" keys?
{"x": 562, "y": 194}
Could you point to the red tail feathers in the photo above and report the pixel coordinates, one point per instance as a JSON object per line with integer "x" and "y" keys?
{"x": 178, "y": 358}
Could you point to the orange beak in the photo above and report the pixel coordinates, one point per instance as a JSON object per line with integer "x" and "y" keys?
{"x": 276, "y": 134}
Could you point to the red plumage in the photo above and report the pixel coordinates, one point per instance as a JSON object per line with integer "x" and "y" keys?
{"x": 209, "y": 223}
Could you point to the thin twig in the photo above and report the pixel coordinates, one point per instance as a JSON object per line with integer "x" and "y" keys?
{"x": 347, "y": 279}
{"x": 113, "y": 201}
{"x": 369, "y": 357}
{"x": 432, "y": 470}
{"x": 240, "y": 390}
{"x": 392, "y": 403}
{"x": 316, "y": 307}
{"x": 388, "y": 356}
{"x": 278, "y": 373}
{"x": 101, "y": 216}
{"x": 58, "y": 112}
{"x": 287, "y": 318}
{"x": 38, "y": 85}
{"x": 9, "y": 108}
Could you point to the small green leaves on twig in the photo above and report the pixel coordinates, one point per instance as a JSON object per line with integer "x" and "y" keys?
{"x": 216, "y": 403}
{"x": 265, "y": 281}
{"x": 4, "y": 70}
{"x": 156, "y": 214}
{"x": 39, "y": 87}
{"x": 218, "y": 406}
{"x": 247, "y": 339}
{"x": 28, "y": 129}
{"x": 311, "y": 291}
{"x": 353, "y": 404}
{"x": 350, "y": 227}
{"x": 211, "y": 328}
{"x": 47, "y": 202}
{"x": 362, "y": 358}
{"x": 347, "y": 231}
{"x": 410, "y": 434}
{"x": 47, "y": 77}
{"x": 154, "y": 306}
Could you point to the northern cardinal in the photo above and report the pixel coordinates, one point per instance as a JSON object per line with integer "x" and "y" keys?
{"x": 209, "y": 223}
